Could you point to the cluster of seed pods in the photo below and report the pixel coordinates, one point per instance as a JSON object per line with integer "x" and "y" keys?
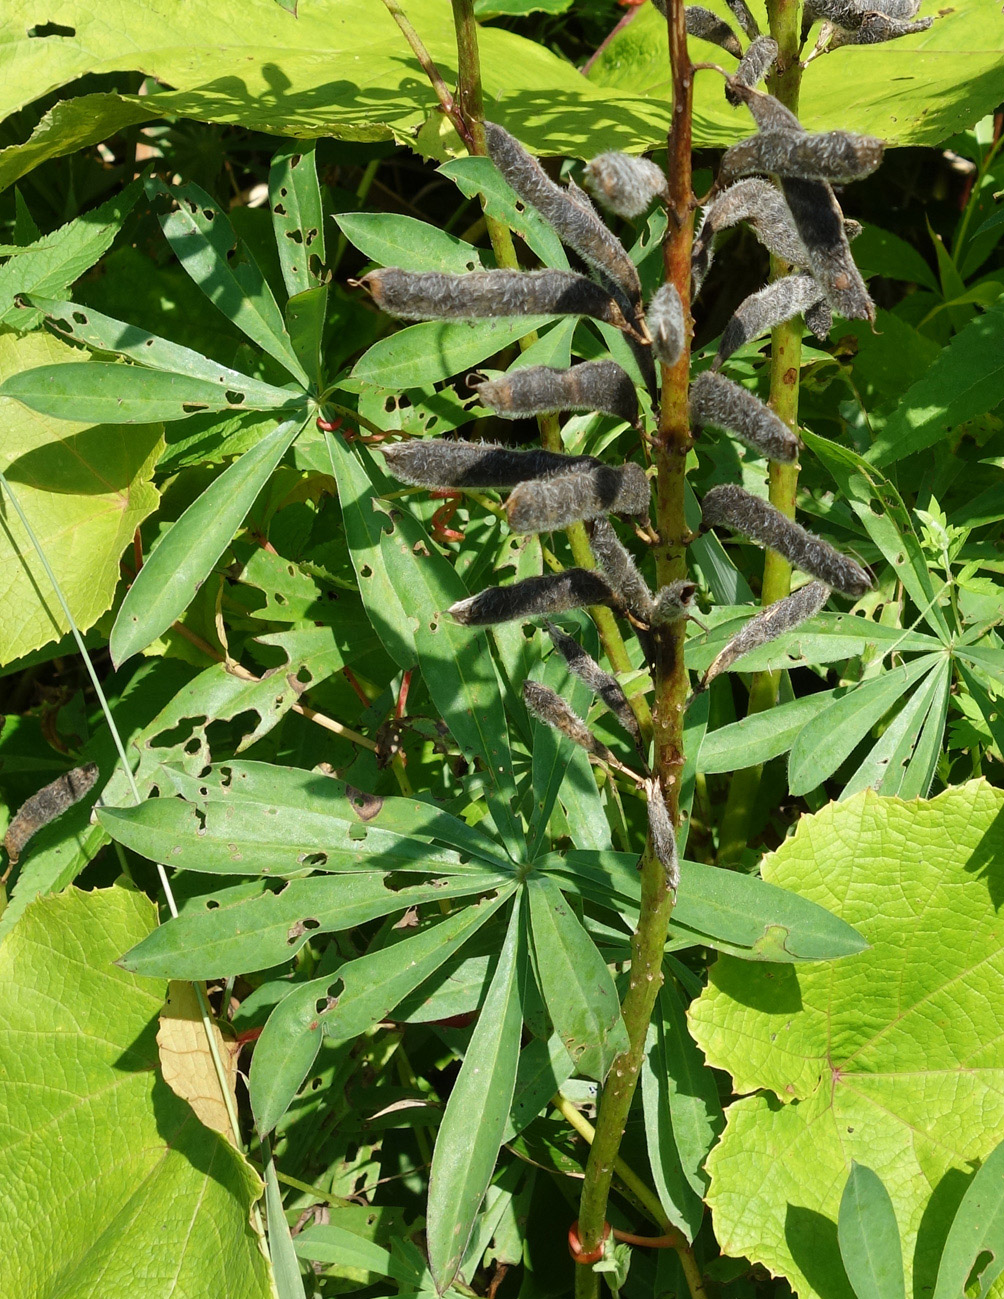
{"x": 779, "y": 182}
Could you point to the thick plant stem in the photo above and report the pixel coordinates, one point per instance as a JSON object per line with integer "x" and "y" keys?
{"x": 671, "y": 446}
{"x": 785, "y": 363}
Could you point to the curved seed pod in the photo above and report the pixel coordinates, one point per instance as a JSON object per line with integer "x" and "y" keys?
{"x": 46, "y": 805}
{"x": 663, "y": 835}
{"x": 850, "y": 14}
{"x": 819, "y": 319}
{"x": 753, "y": 67}
{"x": 549, "y": 708}
{"x": 580, "y": 197}
{"x": 620, "y": 571}
{"x": 789, "y": 296}
{"x": 745, "y": 19}
{"x": 761, "y": 205}
{"x": 758, "y": 520}
{"x": 575, "y": 225}
{"x": 534, "y": 597}
{"x": 538, "y": 390}
{"x": 665, "y": 319}
{"x": 819, "y": 221}
{"x": 709, "y": 27}
{"x": 774, "y": 621}
{"x": 837, "y": 156}
{"x": 874, "y": 29}
{"x": 483, "y": 295}
{"x": 717, "y": 401}
{"x": 625, "y": 185}
{"x": 673, "y": 602}
{"x": 604, "y": 686}
{"x": 437, "y": 462}
{"x": 546, "y": 504}
{"x": 768, "y": 113}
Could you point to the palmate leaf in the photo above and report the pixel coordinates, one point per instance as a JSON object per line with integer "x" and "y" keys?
{"x": 350, "y": 1001}
{"x": 869, "y": 1237}
{"x": 890, "y": 1057}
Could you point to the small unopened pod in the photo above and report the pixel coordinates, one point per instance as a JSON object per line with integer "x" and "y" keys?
{"x": 821, "y": 226}
{"x": 874, "y": 30}
{"x": 666, "y": 323}
{"x": 673, "y": 602}
{"x": 484, "y": 295}
{"x": 548, "y": 707}
{"x": 48, "y": 804}
{"x": 660, "y": 827}
{"x": 758, "y": 520}
{"x": 534, "y": 597}
{"x": 605, "y": 687}
{"x": 620, "y": 570}
{"x": 774, "y": 621}
{"x": 445, "y": 463}
{"x": 546, "y": 504}
{"x": 624, "y": 184}
{"x": 540, "y": 390}
{"x": 753, "y": 67}
{"x": 768, "y": 113}
{"x": 837, "y": 157}
{"x": 719, "y": 403}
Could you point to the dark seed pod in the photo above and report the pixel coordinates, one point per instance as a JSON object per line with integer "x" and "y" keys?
{"x": 820, "y": 223}
{"x": 663, "y": 835}
{"x": 46, "y": 805}
{"x": 538, "y": 390}
{"x": 753, "y": 67}
{"x": 708, "y": 27}
{"x": 768, "y": 113}
{"x": 819, "y": 319}
{"x": 549, "y": 708}
{"x": 625, "y": 185}
{"x": 745, "y": 19}
{"x": 437, "y": 462}
{"x": 534, "y": 597}
{"x": 673, "y": 602}
{"x": 604, "y": 686}
{"x": 620, "y": 571}
{"x": 758, "y": 520}
{"x": 575, "y": 225}
{"x": 665, "y": 319}
{"x": 874, "y": 29}
{"x": 546, "y": 504}
{"x": 832, "y": 156}
{"x": 783, "y": 616}
{"x": 483, "y": 295}
{"x": 761, "y": 205}
{"x": 722, "y": 404}
{"x": 850, "y": 14}
{"x": 580, "y": 198}
{"x": 787, "y": 297}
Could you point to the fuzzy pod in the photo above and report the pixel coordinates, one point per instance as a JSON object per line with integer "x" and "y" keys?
{"x": 753, "y": 67}
{"x": 534, "y": 597}
{"x": 546, "y": 504}
{"x": 439, "y": 462}
{"x": 666, "y": 323}
{"x": 819, "y": 319}
{"x": 768, "y": 113}
{"x": 783, "y": 616}
{"x": 744, "y": 18}
{"x": 758, "y": 520}
{"x": 605, "y": 687}
{"x": 660, "y": 826}
{"x": 779, "y": 301}
{"x": 623, "y": 184}
{"x": 483, "y": 295}
{"x": 832, "y": 156}
{"x": 761, "y": 205}
{"x": 620, "y": 571}
{"x": 539, "y": 390}
{"x": 722, "y": 404}
{"x": 548, "y": 707}
{"x": 577, "y": 226}
{"x": 820, "y": 223}
{"x": 851, "y": 14}
{"x": 673, "y": 602}
{"x": 707, "y": 26}
{"x": 874, "y": 29}
{"x": 46, "y": 805}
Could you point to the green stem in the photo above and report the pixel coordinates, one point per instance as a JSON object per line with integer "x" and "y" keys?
{"x": 671, "y": 445}
{"x": 785, "y": 365}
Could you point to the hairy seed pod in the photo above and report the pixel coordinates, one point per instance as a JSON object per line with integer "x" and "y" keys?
{"x": 580, "y": 198}
{"x": 832, "y": 156}
{"x": 665, "y": 320}
{"x": 783, "y": 616}
{"x": 620, "y": 571}
{"x": 538, "y": 390}
{"x": 576, "y": 226}
{"x": 46, "y": 805}
{"x": 534, "y": 597}
{"x": 604, "y": 686}
{"x": 850, "y": 14}
{"x": 758, "y": 520}
{"x": 820, "y": 223}
{"x": 722, "y": 404}
{"x": 483, "y": 295}
{"x": 874, "y": 29}
{"x": 768, "y": 113}
{"x": 625, "y": 185}
{"x": 753, "y": 67}
{"x": 673, "y": 602}
{"x": 708, "y": 27}
{"x": 663, "y": 835}
{"x": 549, "y": 708}
{"x": 784, "y": 298}
{"x": 745, "y": 19}
{"x": 546, "y": 504}
{"x": 438, "y": 462}
{"x": 819, "y": 319}
{"x": 761, "y": 205}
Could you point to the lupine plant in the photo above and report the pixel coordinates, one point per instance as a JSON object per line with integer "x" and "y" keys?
{"x": 509, "y": 866}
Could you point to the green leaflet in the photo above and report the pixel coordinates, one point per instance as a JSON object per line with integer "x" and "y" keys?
{"x": 297, "y": 217}
{"x": 289, "y": 1283}
{"x": 976, "y": 1233}
{"x": 761, "y": 736}
{"x": 390, "y": 239}
{"x": 478, "y": 177}
{"x": 869, "y": 1237}
{"x": 433, "y": 350}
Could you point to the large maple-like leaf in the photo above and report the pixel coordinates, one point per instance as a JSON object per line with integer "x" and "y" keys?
{"x": 892, "y": 1057}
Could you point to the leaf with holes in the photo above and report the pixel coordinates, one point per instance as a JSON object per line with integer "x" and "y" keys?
{"x": 297, "y": 218}
{"x": 390, "y": 239}
{"x": 975, "y": 1245}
